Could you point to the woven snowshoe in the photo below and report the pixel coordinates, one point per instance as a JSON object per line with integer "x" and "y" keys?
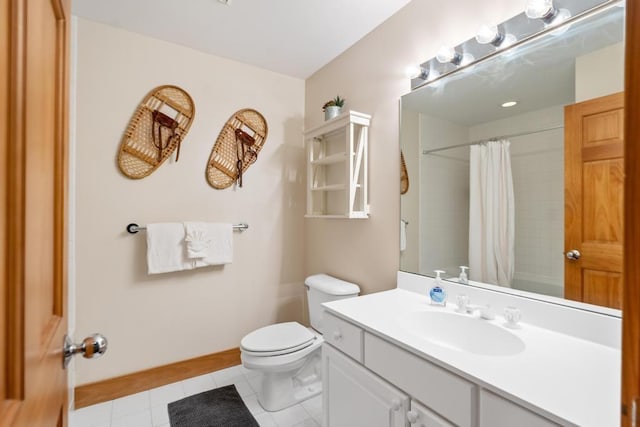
{"x": 404, "y": 175}
{"x": 156, "y": 130}
{"x": 236, "y": 148}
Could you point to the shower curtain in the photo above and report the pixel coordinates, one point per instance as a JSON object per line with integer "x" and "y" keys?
{"x": 491, "y": 214}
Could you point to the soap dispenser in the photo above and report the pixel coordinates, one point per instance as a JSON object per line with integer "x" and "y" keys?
{"x": 463, "y": 275}
{"x": 437, "y": 293}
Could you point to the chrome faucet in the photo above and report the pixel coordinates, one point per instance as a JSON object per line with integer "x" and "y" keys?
{"x": 465, "y": 307}
{"x": 484, "y": 310}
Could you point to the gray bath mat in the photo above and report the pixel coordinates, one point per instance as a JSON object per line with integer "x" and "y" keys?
{"x": 222, "y": 407}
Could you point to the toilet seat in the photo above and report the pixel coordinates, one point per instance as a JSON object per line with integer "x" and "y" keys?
{"x": 278, "y": 339}
{"x": 283, "y": 362}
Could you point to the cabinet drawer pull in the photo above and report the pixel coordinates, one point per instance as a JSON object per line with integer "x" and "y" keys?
{"x": 396, "y": 404}
{"x": 337, "y": 335}
{"x": 412, "y": 417}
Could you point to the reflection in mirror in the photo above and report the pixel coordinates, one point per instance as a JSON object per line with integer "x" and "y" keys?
{"x": 516, "y": 161}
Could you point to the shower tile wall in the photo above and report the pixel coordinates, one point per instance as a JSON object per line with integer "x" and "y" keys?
{"x": 444, "y": 204}
{"x": 538, "y": 181}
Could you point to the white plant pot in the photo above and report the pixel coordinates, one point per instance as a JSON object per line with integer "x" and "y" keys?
{"x": 331, "y": 112}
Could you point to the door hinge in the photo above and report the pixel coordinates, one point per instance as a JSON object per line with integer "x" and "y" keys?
{"x": 633, "y": 413}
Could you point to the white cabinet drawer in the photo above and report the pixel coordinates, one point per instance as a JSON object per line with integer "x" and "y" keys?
{"x": 343, "y": 335}
{"x": 445, "y": 393}
{"x": 421, "y": 416}
{"x": 498, "y": 412}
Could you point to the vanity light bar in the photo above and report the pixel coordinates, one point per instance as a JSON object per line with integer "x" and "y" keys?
{"x": 510, "y": 34}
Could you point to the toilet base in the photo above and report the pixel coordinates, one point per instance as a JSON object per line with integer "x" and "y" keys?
{"x": 280, "y": 390}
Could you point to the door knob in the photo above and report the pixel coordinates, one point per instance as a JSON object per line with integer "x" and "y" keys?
{"x": 573, "y": 254}
{"x": 412, "y": 417}
{"x": 91, "y": 347}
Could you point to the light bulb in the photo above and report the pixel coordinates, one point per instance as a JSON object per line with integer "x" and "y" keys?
{"x": 448, "y": 54}
{"x": 487, "y": 34}
{"x": 411, "y": 72}
{"x": 537, "y": 9}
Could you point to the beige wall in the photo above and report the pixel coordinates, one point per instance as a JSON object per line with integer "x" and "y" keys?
{"x": 600, "y": 73}
{"x": 370, "y": 75}
{"x": 155, "y": 320}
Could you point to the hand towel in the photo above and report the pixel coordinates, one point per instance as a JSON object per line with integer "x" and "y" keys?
{"x": 220, "y": 250}
{"x": 197, "y": 239}
{"x": 165, "y": 250}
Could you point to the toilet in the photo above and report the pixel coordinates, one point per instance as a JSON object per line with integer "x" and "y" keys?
{"x": 287, "y": 355}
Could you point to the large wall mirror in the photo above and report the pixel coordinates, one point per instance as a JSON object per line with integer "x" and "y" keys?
{"x": 515, "y": 166}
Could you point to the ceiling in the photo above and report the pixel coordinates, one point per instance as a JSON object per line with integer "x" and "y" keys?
{"x": 292, "y": 37}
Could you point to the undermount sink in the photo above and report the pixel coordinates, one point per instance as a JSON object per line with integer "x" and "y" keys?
{"x": 462, "y": 332}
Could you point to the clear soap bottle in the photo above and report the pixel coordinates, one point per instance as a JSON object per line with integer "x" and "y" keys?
{"x": 463, "y": 275}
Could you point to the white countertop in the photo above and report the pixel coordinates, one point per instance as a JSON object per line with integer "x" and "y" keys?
{"x": 567, "y": 379}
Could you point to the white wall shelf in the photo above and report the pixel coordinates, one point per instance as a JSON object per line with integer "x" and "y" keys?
{"x": 334, "y": 158}
{"x": 337, "y": 167}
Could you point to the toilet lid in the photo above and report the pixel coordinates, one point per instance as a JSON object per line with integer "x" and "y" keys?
{"x": 274, "y": 338}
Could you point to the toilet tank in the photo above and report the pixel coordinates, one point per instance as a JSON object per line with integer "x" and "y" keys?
{"x": 323, "y": 288}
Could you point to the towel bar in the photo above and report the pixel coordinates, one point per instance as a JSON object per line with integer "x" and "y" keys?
{"x": 133, "y": 228}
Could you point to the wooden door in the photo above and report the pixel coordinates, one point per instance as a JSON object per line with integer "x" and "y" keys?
{"x": 594, "y": 200}
{"x": 33, "y": 150}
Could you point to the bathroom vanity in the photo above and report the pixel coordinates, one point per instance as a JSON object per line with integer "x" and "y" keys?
{"x": 392, "y": 359}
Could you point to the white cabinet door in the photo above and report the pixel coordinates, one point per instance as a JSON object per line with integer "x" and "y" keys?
{"x": 355, "y": 397}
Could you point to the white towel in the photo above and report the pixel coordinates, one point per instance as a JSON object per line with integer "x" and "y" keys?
{"x": 197, "y": 239}
{"x": 165, "y": 248}
{"x": 167, "y": 251}
{"x": 220, "y": 247}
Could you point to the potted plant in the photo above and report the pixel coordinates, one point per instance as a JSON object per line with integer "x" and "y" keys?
{"x": 333, "y": 107}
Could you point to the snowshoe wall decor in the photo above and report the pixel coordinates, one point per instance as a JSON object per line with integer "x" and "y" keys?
{"x": 236, "y": 148}
{"x": 155, "y": 131}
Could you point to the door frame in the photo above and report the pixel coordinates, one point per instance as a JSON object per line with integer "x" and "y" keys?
{"x": 631, "y": 288}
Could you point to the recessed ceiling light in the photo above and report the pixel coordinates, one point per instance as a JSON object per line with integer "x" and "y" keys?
{"x": 509, "y": 104}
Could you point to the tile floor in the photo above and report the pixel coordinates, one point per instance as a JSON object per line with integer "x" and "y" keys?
{"x": 149, "y": 408}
